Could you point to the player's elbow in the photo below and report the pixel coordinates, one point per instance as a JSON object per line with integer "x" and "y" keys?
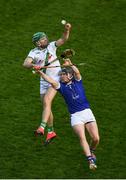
{"x": 65, "y": 39}
{"x": 27, "y": 65}
{"x": 24, "y": 64}
{"x": 54, "y": 84}
{"x": 60, "y": 43}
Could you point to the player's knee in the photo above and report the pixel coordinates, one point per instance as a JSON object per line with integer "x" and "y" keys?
{"x": 96, "y": 139}
{"x": 82, "y": 139}
{"x": 47, "y": 101}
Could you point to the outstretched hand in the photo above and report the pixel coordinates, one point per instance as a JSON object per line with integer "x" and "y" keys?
{"x": 67, "y": 26}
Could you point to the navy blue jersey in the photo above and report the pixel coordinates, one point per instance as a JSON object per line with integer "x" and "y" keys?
{"x": 74, "y": 95}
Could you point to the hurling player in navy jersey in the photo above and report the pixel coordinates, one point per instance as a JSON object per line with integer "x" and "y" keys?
{"x": 71, "y": 88}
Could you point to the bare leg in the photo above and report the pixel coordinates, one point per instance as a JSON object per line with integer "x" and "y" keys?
{"x": 50, "y": 120}
{"x": 80, "y": 131}
{"x": 92, "y": 128}
{"x": 47, "y": 115}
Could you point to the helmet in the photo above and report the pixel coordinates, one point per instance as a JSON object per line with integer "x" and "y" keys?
{"x": 37, "y": 36}
{"x": 68, "y": 71}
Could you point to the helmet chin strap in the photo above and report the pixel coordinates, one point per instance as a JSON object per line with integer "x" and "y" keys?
{"x": 38, "y": 44}
{"x": 69, "y": 77}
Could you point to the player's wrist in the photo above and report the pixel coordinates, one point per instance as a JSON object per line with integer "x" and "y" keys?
{"x": 67, "y": 30}
{"x": 33, "y": 65}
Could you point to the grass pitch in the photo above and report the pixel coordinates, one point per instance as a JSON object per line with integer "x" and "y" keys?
{"x": 98, "y": 38}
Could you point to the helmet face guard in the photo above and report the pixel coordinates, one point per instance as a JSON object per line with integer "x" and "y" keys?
{"x": 37, "y": 36}
{"x": 68, "y": 71}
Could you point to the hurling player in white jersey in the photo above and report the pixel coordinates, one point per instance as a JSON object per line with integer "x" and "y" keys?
{"x": 73, "y": 92}
{"x": 44, "y": 54}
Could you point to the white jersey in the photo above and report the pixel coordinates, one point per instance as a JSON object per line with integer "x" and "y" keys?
{"x": 40, "y": 56}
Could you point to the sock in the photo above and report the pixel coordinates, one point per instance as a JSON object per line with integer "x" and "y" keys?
{"x": 89, "y": 158}
{"x": 43, "y": 124}
{"x": 93, "y": 155}
{"x": 50, "y": 129}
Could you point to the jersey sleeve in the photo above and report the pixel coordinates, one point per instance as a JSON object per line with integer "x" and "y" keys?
{"x": 78, "y": 81}
{"x": 53, "y": 46}
{"x": 59, "y": 86}
{"x": 32, "y": 55}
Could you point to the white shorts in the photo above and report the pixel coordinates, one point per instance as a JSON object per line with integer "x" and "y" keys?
{"x": 82, "y": 117}
{"x": 44, "y": 85}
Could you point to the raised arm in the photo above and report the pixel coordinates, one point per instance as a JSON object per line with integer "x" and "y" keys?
{"x": 77, "y": 75}
{"x": 65, "y": 36}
